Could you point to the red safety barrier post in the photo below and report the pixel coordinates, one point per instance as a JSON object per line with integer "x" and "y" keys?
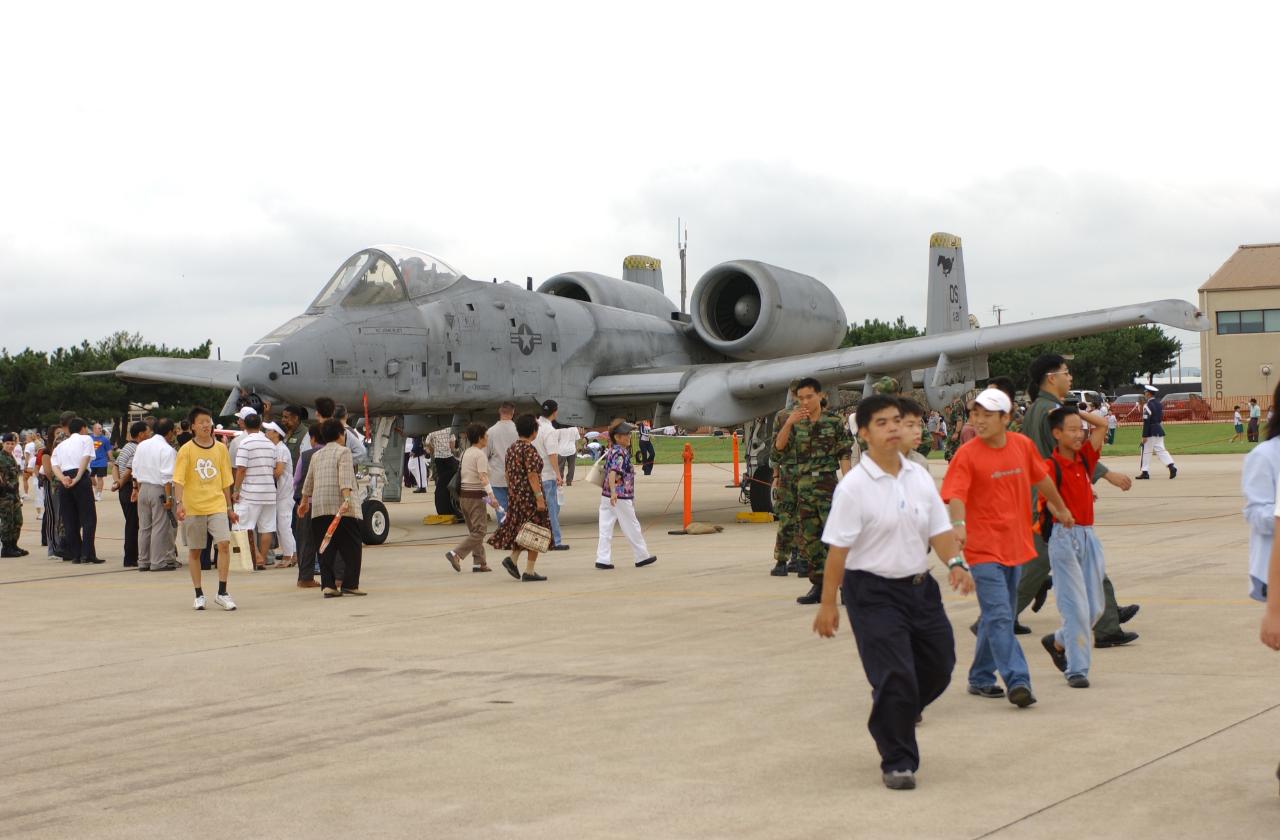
{"x": 688, "y": 484}
{"x": 737, "y": 477}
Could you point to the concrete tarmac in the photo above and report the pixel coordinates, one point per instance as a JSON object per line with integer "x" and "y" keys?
{"x": 688, "y": 699}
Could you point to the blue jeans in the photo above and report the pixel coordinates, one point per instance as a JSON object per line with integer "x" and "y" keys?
{"x": 553, "y": 509}
{"x": 1075, "y": 556}
{"x": 997, "y": 649}
{"x": 500, "y": 493}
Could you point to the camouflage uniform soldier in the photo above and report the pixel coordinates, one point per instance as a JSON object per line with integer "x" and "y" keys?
{"x": 10, "y": 505}
{"x": 784, "y": 503}
{"x": 820, "y": 445}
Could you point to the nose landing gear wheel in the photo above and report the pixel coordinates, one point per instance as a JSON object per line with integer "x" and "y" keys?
{"x": 377, "y": 522}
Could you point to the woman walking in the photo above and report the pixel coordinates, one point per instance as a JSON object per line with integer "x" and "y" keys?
{"x": 526, "y": 502}
{"x": 475, "y": 492}
{"x": 617, "y": 500}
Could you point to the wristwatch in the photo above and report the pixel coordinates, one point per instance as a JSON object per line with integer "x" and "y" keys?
{"x": 957, "y": 561}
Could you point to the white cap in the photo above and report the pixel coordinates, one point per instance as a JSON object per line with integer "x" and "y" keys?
{"x": 246, "y": 411}
{"x": 1151, "y": 389}
{"x": 272, "y": 427}
{"x": 993, "y": 399}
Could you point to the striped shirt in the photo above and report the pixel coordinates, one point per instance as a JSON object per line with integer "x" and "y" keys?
{"x": 258, "y": 457}
{"x": 124, "y": 458}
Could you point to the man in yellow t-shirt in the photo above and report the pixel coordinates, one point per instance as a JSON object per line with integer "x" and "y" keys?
{"x": 202, "y": 479}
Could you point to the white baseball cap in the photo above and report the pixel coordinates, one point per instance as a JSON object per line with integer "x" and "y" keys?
{"x": 272, "y": 427}
{"x": 246, "y": 411}
{"x": 1151, "y": 389}
{"x": 993, "y": 399}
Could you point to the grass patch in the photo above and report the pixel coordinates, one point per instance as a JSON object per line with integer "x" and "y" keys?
{"x": 1180, "y": 439}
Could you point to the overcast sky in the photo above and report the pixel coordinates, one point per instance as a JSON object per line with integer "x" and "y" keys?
{"x": 193, "y": 172}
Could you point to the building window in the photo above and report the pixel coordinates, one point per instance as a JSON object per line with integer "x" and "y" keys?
{"x": 1248, "y": 321}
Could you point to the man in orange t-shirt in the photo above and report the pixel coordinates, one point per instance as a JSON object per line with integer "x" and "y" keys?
{"x": 988, "y": 492}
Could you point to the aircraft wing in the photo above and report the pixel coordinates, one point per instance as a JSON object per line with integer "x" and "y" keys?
{"x": 727, "y": 393}
{"x": 207, "y": 373}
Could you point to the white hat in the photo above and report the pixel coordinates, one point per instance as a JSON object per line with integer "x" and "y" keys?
{"x": 1151, "y": 389}
{"x": 246, "y": 411}
{"x": 993, "y": 399}
{"x": 272, "y": 427}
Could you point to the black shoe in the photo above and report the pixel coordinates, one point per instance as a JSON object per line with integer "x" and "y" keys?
{"x": 77, "y": 561}
{"x": 1173, "y": 471}
{"x": 793, "y": 566}
{"x": 993, "y": 692}
{"x": 1078, "y": 681}
{"x": 604, "y": 565}
{"x": 1021, "y": 629}
{"x": 1038, "y": 601}
{"x": 779, "y": 570}
{"x": 93, "y": 560}
{"x": 11, "y": 552}
{"x": 1128, "y": 612}
{"x": 1124, "y": 637}
{"x": 813, "y": 596}
{"x": 648, "y": 561}
{"x": 510, "y": 566}
{"x": 1021, "y": 696}
{"x": 526, "y": 577}
{"x": 1059, "y": 657}
{"x": 973, "y": 628}
{"x": 1143, "y": 477}
{"x": 899, "y": 780}
{"x": 802, "y": 570}
{"x": 560, "y": 547}
{"x": 132, "y": 565}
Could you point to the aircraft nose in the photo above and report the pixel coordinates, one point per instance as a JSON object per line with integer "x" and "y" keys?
{"x": 257, "y": 373}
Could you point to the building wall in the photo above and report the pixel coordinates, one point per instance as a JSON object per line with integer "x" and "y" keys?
{"x": 1231, "y": 364}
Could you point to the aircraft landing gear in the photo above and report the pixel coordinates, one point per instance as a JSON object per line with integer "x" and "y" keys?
{"x": 376, "y": 523}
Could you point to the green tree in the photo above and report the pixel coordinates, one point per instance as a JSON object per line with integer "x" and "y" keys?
{"x": 40, "y": 386}
{"x": 877, "y": 331}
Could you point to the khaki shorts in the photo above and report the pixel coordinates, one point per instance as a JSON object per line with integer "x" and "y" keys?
{"x": 195, "y": 528}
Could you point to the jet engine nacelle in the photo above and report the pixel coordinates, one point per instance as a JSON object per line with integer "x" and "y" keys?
{"x": 752, "y": 310}
{"x": 609, "y": 291}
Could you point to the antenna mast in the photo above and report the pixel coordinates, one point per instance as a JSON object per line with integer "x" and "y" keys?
{"x": 682, "y": 242}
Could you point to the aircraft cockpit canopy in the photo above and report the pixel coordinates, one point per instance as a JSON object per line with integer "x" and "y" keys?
{"x": 385, "y": 274}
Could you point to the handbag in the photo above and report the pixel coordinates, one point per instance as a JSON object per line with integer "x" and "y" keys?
{"x": 596, "y": 476}
{"x": 241, "y": 553}
{"x": 534, "y": 537}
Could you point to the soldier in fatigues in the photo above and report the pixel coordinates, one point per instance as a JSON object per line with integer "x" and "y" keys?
{"x": 784, "y": 501}
{"x": 10, "y": 505}
{"x": 819, "y": 443}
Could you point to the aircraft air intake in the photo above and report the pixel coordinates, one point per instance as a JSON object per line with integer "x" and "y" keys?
{"x": 590, "y": 287}
{"x": 751, "y": 310}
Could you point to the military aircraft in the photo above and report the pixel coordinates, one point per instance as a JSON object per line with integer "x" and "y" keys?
{"x": 424, "y": 347}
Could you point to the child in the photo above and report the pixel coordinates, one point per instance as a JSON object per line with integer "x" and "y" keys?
{"x": 1239, "y": 422}
{"x": 1075, "y": 556}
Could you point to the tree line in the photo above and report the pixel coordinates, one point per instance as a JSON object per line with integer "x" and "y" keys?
{"x": 38, "y": 386}
{"x": 1105, "y": 361}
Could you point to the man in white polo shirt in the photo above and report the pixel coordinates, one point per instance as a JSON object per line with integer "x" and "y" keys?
{"x": 76, "y": 508}
{"x": 885, "y": 515}
{"x": 255, "y": 486}
{"x": 153, "y": 473}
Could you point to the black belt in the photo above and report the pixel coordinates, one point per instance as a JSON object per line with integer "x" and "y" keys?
{"x": 911, "y": 580}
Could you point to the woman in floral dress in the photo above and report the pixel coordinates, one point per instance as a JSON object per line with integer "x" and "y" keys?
{"x": 525, "y": 500}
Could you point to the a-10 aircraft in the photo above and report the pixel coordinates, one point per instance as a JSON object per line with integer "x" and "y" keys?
{"x": 426, "y": 347}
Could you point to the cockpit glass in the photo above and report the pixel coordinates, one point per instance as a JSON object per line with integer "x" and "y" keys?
{"x": 423, "y": 273}
{"x": 386, "y": 274}
{"x": 375, "y": 283}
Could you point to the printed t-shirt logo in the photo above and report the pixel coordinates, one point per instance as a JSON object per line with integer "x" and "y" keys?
{"x": 1003, "y": 473}
{"x": 205, "y": 468}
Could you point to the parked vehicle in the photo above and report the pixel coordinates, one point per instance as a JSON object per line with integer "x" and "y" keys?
{"x": 1082, "y": 397}
{"x": 1181, "y": 405}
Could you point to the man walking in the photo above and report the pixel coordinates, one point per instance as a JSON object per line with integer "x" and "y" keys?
{"x": 1050, "y": 382}
{"x": 1153, "y": 434}
{"x": 202, "y": 481}
{"x": 76, "y": 509}
{"x": 153, "y": 471}
{"x": 546, "y": 443}
{"x": 885, "y": 516}
{"x": 499, "y": 439}
{"x": 101, "y": 458}
{"x": 988, "y": 491}
{"x": 820, "y": 445}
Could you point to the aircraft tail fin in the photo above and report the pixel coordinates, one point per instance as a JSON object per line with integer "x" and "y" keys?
{"x": 948, "y": 311}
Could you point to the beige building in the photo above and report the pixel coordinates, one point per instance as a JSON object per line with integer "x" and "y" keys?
{"x": 1240, "y": 356}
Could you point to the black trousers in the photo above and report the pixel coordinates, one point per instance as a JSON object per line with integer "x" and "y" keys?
{"x": 130, "y": 510}
{"x": 647, "y": 456}
{"x": 79, "y": 518}
{"x": 908, "y": 652}
{"x": 307, "y": 544}
{"x": 445, "y": 469}
{"x": 341, "y": 560}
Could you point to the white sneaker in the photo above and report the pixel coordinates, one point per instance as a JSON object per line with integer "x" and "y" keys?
{"x": 225, "y": 602}
{"x": 199, "y": 604}
{"x": 97, "y": 495}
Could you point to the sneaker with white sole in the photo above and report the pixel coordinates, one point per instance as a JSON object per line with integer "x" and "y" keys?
{"x": 225, "y": 602}
{"x": 199, "y": 604}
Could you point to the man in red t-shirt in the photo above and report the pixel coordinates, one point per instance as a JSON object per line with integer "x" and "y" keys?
{"x": 988, "y": 491}
{"x": 1075, "y": 555}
